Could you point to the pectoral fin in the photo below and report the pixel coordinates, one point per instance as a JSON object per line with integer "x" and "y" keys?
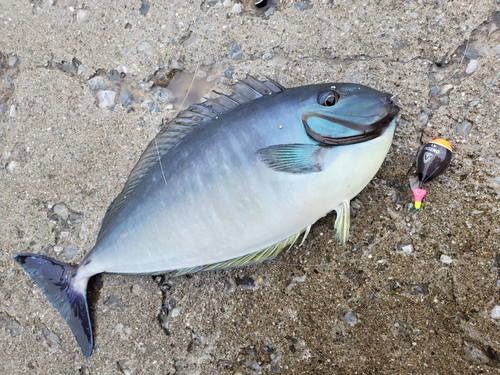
{"x": 342, "y": 221}
{"x": 292, "y": 158}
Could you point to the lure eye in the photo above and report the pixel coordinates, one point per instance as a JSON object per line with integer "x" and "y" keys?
{"x": 328, "y": 98}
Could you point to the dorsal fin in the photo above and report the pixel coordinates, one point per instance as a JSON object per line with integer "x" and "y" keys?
{"x": 174, "y": 130}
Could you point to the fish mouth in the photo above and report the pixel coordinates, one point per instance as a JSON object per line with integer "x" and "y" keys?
{"x": 364, "y": 132}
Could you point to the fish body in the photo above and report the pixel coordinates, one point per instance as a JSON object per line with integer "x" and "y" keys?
{"x": 230, "y": 182}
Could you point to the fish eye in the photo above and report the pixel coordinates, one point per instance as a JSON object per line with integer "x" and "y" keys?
{"x": 328, "y": 98}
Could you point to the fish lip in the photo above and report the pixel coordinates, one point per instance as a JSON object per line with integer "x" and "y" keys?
{"x": 373, "y": 131}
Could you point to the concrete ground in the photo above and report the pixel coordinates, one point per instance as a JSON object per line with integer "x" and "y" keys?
{"x": 410, "y": 293}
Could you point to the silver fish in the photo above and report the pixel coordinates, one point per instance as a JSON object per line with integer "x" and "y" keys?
{"x": 230, "y": 182}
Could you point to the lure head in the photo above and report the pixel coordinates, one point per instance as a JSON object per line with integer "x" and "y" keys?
{"x": 347, "y": 113}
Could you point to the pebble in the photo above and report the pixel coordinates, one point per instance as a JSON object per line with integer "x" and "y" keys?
{"x": 495, "y": 313}
{"x": 434, "y": 90}
{"x": 235, "y": 52}
{"x": 11, "y": 165}
{"x": 70, "y": 251}
{"x": 464, "y": 128}
{"x": 115, "y": 75}
{"x": 145, "y": 47}
{"x": 152, "y": 107}
{"x": 58, "y": 249}
{"x": 350, "y": 318}
{"x": 97, "y": 83}
{"x": 106, "y": 98}
{"x": 13, "y": 111}
{"x": 445, "y": 259}
{"x": 81, "y": 15}
{"x": 10, "y": 325}
{"x": 175, "y": 312}
{"x": 267, "y": 56}
{"x": 236, "y": 9}
{"x": 269, "y": 12}
{"x": 471, "y": 67}
{"x": 3, "y": 109}
{"x": 13, "y": 61}
{"x": 436, "y": 76}
{"x": 445, "y": 89}
{"x": 301, "y": 5}
{"x": 406, "y": 249}
{"x": 229, "y": 73}
{"x": 144, "y": 8}
{"x": 61, "y": 210}
{"x": 246, "y": 282}
{"x": 444, "y": 100}
{"x": 125, "y": 97}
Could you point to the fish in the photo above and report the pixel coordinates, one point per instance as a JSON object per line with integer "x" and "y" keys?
{"x": 229, "y": 182}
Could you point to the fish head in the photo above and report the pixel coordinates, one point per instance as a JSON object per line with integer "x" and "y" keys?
{"x": 346, "y": 113}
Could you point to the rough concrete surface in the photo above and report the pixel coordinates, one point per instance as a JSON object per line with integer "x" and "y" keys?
{"x": 387, "y": 302}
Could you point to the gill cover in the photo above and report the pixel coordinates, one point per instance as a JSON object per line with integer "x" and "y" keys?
{"x": 348, "y": 113}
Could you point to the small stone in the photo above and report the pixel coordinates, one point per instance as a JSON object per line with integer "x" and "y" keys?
{"x": 350, "y": 318}
{"x": 246, "y": 282}
{"x": 11, "y": 166}
{"x": 115, "y": 75}
{"x": 406, "y": 249}
{"x": 13, "y": 111}
{"x": 144, "y": 8}
{"x": 125, "y": 97}
{"x": 434, "y": 90}
{"x": 97, "y": 83}
{"x": 81, "y": 15}
{"x": 10, "y": 325}
{"x": 229, "y": 73}
{"x": 211, "y": 3}
{"x": 164, "y": 96}
{"x": 498, "y": 283}
{"x": 236, "y": 8}
{"x": 302, "y": 5}
{"x": 445, "y": 89}
{"x": 471, "y": 67}
{"x": 3, "y": 109}
{"x": 464, "y": 128}
{"x": 13, "y": 61}
{"x": 445, "y": 259}
{"x": 495, "y": 313}
{"x": 106, "y": 98}
{"x": 235, "y": 52}
{"x": 175, "y": 312}
{"x": 70, "y": 251}
{"x": 444, "y": 100}
{"x": 145, "y": 47}
{"x": 226, "y": 3}
{"x": 267, "y": 56}
{"x": 58, "y": 249}
{"x": 61, "y": 210}
{"x": 413, "y": 15}
{"x": 269, "y": 12}
{"x": 75, "y": 218}
{"x": 436, "y": 76}
{"x": 152, "y": 107}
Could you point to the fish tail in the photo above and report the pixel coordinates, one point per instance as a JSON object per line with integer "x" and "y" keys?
{"x": 65, "y": 290}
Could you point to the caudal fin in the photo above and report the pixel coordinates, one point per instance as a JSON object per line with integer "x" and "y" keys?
{"x": 67, "y": 293}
